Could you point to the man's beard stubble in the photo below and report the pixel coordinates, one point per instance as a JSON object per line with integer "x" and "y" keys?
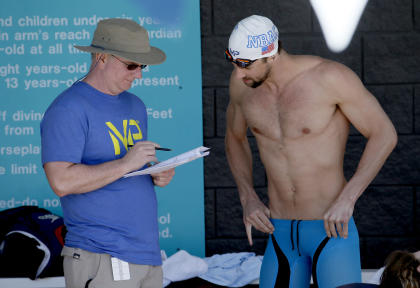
{"x": 256, "y": 84}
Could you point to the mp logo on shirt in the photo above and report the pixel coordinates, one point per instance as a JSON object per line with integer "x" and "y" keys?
{"x": 131, "y": 132}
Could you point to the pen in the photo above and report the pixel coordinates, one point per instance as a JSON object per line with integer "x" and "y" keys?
{"x": 163, "y": 149}
{"x": 156, "y": 148}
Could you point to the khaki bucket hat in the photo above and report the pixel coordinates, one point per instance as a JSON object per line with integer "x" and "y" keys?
{"x": 124, "y": 38}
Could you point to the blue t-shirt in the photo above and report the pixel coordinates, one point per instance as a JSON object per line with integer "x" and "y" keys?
{"x": 84, "y": 125}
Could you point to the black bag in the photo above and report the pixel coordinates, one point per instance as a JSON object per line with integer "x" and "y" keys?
{"x": 31, "y": 240}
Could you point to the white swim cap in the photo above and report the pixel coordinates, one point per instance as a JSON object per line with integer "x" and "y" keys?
{"x": 253, "y": 38}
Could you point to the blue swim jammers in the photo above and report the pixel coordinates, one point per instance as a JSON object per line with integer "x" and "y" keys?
{"x": 300, "y": 248}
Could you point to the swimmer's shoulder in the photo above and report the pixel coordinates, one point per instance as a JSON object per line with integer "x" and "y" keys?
{"x": 323, "y": 69}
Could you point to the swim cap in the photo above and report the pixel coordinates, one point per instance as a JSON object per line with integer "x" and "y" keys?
{"x": 253, "y": 38}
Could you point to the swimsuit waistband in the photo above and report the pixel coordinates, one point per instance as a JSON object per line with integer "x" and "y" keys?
{"x": 293, "y": 224}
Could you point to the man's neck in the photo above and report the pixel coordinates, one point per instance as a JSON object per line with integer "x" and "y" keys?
{"x": 99, "y": 83}
{"x": 284, "y": 68}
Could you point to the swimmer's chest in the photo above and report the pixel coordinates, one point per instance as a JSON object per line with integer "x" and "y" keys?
{"x": 295, "y": 112}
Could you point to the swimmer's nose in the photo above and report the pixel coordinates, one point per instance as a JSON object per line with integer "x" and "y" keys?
{"x": 240, "y": 73}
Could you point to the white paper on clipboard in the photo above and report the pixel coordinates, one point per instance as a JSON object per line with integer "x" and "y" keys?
{"x": 173, "y": 162}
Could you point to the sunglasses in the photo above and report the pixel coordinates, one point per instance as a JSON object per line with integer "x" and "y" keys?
{"x": 131, "y": 66}
{"x": 243, "y": 63}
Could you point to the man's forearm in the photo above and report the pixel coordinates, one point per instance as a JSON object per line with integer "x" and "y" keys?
{"x": 69, "y": 178}
{"x": 239, "y": 157}
{"x": 377, "y": 150}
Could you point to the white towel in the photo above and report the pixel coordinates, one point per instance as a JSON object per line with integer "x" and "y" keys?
{"x": 233, "y": 269}
{"x": 376, "y": 278}
{"x": 181, "y": 266}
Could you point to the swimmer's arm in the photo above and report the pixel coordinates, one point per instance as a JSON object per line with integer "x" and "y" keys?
{"x": 238, "y": 152}
{"x": 237, "y": 147}
{"x": 365, "y": 113}
{"x": 239, "y": 156}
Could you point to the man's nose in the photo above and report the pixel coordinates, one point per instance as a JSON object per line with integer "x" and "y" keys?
{"x": 139, "y": 73}
{"x": 240, "y": 72}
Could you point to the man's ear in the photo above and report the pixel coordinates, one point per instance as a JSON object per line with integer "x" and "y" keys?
{"x": 100, "y": 57}
{"x": 271, "y": 58}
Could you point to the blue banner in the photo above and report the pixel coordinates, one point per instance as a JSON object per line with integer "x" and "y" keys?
{"x": 38, "y": 61}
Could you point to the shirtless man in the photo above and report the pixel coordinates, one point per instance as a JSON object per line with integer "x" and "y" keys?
{"x": 299, "y": 109}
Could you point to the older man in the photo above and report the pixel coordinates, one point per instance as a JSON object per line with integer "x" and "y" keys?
{"x": 92, "y": 134}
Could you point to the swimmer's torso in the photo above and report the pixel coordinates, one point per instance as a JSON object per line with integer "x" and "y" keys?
{"x": 301, "y": 135}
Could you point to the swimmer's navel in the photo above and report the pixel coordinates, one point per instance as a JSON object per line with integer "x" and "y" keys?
{"x": 306, "y": 130}
{"x": 255, "y": 130}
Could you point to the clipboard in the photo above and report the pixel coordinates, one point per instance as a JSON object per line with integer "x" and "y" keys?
{"x": 175, "y": 161}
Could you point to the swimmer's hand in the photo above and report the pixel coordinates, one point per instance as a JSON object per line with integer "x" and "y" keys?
{"x": 337, "y": 217}
{"x": 256, "y": 214}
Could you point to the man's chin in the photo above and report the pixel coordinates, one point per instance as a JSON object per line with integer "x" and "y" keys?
{"x": 251, "y": 83}
{"x": 256, "y": 84}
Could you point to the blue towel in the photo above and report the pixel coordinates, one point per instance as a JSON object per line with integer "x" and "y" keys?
{"x": 233, "y": 269}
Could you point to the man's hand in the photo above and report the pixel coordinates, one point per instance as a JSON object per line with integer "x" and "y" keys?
{"x": 256, "y": 214}
{"x": 337, "y": 217}
{"x": 163, "y": 178}
{"x": 140, "y": 154}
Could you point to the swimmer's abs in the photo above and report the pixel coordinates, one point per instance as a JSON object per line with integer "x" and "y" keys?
{"x": 308, "y": 204}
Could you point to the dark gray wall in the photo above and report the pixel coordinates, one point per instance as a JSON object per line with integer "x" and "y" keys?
{"x": 385, "y": 53}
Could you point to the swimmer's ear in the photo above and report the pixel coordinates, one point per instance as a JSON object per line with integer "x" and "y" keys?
{"x": 271, "y": 58}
